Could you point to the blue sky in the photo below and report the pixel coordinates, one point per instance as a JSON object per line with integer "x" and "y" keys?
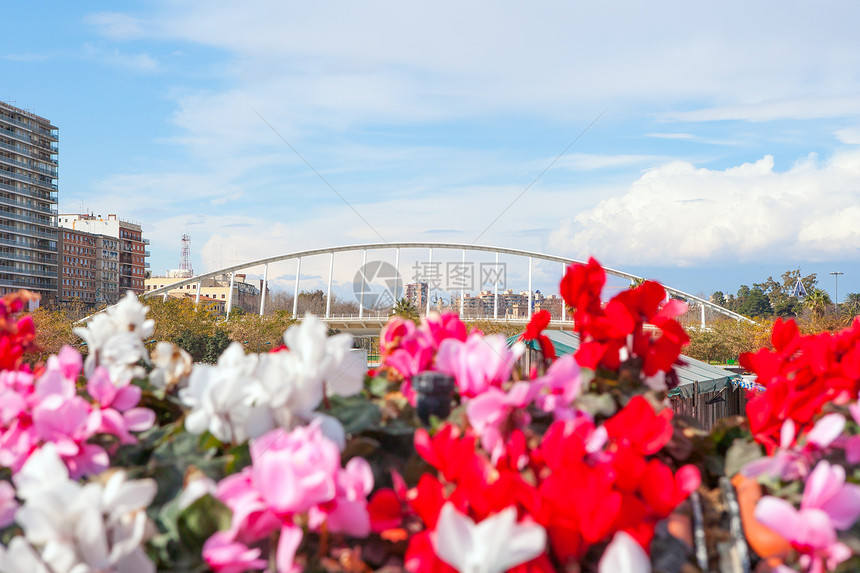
{"x": 725, "y": 146}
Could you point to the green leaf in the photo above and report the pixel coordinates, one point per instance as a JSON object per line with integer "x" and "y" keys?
{"x": 378, "y": 386}
{"x": 197, "y": 522}
{"x": 239, "y": 457}
{"x": 741, "y": 452}
{"x": 355, "y": 413}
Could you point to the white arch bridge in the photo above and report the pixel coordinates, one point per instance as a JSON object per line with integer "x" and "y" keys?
{"x": 365, "y": 323}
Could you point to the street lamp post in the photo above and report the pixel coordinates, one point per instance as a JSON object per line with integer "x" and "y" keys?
{"x": 836, "y": 290}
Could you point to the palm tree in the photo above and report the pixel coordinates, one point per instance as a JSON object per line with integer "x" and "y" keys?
{"x": 852, "y": 304}
{"x": 405, "y": 309}
{"x": 817, "y": 301}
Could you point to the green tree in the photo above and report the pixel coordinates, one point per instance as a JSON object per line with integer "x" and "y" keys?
{"x": 817, "y": 301}
{"x": 725, "y": 339}
{"x": 755, "y": 304}
{"x": 851, "y": 305}
{"x": 719, "y": 298}
{"x": 405, "y": 309}
{"x": 782, "y": 300}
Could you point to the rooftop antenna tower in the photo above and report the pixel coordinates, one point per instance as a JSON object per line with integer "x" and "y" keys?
{"x": 185, "y": 257}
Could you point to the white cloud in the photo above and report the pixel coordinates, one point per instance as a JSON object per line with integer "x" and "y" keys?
{"x": 849, "y": 135}
{"x": 116, "y": 26}
{"x": 138, "y": 63}
{"x": 559, "y": 59}
{"x": 678, "y": 214}
{"x": 804, "y": 107}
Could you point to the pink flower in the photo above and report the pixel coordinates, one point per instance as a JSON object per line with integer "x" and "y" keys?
{"x": 119, "y": 415}
{"x": 559, "y": 387}
{"x": 443, "y": 327}
{"x": 494, "y": 414}
{"x": 852, "y": 444}
{"x": 291, "y": 473}
{"x": 478, "y": 363}
{"x": 790, "y": 461}
{"x": 8, "y": 505}
{"x": 348, "y": 512}
{"x": 225, "y": 555}
{"x": 828, "y": 504}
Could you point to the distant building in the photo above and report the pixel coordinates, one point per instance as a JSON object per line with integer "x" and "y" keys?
{"x": 28, "y": 199}
{"x": 551, "y": 303}
{"x": 245, "y": 294}
{"x": 78, "y": 268}
{"x": 120, "y": 253}
{"x": 417, "y": 294}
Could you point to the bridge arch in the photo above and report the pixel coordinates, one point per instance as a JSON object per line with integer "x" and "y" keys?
{"x": 331, "y": 251}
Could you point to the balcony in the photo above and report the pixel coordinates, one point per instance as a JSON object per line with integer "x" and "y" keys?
{"x": 31, "y": 205}
{"x": 147, "y": 254}
{"x": 49, "y": 171}
{"x": 19, "y": 149}
{"x": 48, "y": 222}
{"x": 50, "y": 246}
{"x": 145, "y": 241}
{"x": 50, "y": 133}
{"x": 28, "y": 272}
{"x": 12, "y": 256}
{"x": 30, "y": 232}
{"x": 30, "y": 283}
{"x": 27, "y": 179}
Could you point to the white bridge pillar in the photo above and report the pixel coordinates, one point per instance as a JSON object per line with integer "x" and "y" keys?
{"x": 328, "y": 295}
{"x": 363, "y": 283}
{"x": 463, "y": 289}
{"x": 263, "y": 289}
{"x": 397, "y": 274}
{"x": 563, "y": 309}
{"x": 296, "y": 291}
{"x": 429, "y": 267}
{"x": 531, "y": 298}
{"x": 230, "y": 295}
{"x": 496, "y": 290}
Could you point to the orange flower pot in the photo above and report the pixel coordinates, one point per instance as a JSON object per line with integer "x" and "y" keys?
{"x": 768, "y": 544}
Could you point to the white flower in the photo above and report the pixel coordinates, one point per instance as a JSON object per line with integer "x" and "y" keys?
{"x": 115, "y": 339}
{"x": 172, "y": 365}
{"x": 315, "y": 358}
{"x": 492, "y": 546}
{"x": 625, "y": 555}
{"x": 218, "y": 398}
{"x": 195, "y": 488}
{"x": 245, "y": 396}
{"x": 74, "y": 528}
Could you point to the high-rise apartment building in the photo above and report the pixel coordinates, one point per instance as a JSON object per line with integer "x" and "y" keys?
{"x": 120, "y": 253}
{"x": 28, "y": 199}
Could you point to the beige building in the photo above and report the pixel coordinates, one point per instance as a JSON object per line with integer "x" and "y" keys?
{"x": 120, "y": 253}
{"x": 246, "y": 295}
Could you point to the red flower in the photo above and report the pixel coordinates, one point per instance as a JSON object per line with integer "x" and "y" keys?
{"x": 385, "y": 510}
{"x": 581, "y": 285}
{"x": 534, "y": 331}
{"x": 16, "y": 336}
{"x": 614, "y": 332}
{"x": 801, "y": 374}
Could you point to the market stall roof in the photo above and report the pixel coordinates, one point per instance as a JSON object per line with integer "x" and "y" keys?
{"x": 710, "y": 378}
